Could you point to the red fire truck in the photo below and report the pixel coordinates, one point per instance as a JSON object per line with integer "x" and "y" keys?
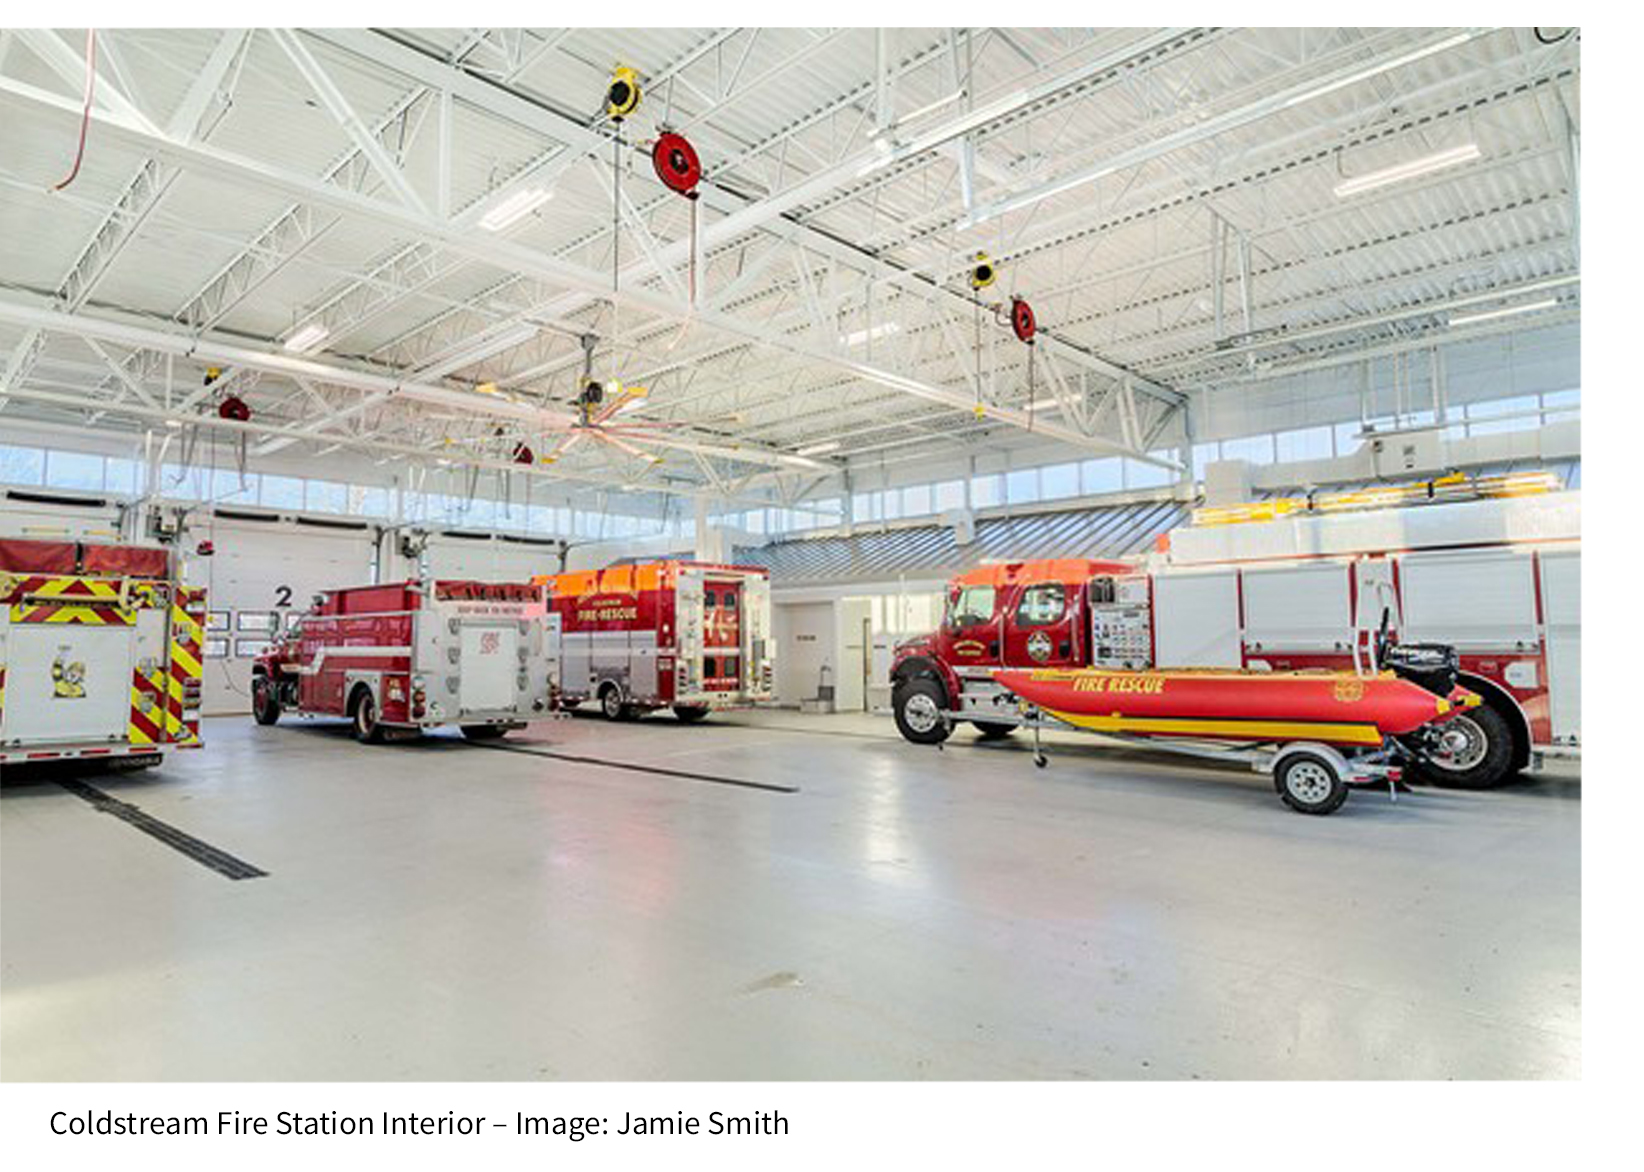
{"x": 688, "y": 634}
{"x": 1488, "y": 569}
{"x": 415, "y": 655}
{"x": 100, "y": 649}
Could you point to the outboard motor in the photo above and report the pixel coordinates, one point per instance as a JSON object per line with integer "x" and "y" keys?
{"x": 1431, "y": 665}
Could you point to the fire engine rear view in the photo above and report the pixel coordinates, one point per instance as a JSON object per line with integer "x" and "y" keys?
{"x": 690, "y": 635}
{"x": 100, "y": 649}
{"x": 415, "y": 655}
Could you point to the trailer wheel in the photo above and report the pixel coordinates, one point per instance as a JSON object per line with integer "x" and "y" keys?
{"x": 993, "y": 732}
{"x": 484, "y": 732}
{"x": 1309, "y": 784}
{"x": 690, "y": 713}
{"x": 612, "y": 704}
{"x": 367, "y": 730}
{"x": 918, "y": 705}
{"x": 1476, "y": 751}
{"x": 265, "y": 700}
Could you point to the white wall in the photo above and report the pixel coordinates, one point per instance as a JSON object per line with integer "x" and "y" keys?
{"x": 807, "y": 637}
{"x": 490, "y": 559}
{"x": 255, "y": 567}
{"x": 90, "y": 522}
{"x": 1526, "y": 363}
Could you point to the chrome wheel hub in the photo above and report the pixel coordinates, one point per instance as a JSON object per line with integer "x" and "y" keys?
{"x": 921, "y": 713}
{"x": 1461, "y": 746}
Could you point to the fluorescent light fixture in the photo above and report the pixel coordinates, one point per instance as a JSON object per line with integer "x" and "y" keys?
{"x": 174, "y": 423}
{"x": 798, "y": 462}
{"x": 819, "y": 449}
{"x": 307, "y": 338}
{"x": 1467, "y": 319}
{"x": 514, "y": 208}
{"x": 878, "y": 331}
{"x": 931, "y": 107}
{"x": 1041, "y": 405}
{"x": 1220, "y": 122}
{"x": 1398, "y": 173}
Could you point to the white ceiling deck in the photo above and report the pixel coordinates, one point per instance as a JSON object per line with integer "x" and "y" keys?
{"x": 1166, "y": 199}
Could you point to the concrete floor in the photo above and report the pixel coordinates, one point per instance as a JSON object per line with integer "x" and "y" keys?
{"x": 436, "y": 910}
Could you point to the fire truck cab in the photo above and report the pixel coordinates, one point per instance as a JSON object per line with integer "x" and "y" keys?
{"x": 1048, "y": 613}
{"x": 100, "y": 650}
{"x": 416, "y": 655}
{"x": 690, "y": 635}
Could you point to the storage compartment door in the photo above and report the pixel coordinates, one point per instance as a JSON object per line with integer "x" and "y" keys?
{"x": 1474, "y": 601}
{"x": 1196, "y": 620}
{"x": 1304, "y": 608}
{"x": 490, "y": 665}
{"x": 69, "y": 683}
{"x": 1561, "y": 605}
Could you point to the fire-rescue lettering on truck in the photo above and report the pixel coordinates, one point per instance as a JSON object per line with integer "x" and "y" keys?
{"x": 100, "y": 649}
{"x": 688, "y": 634}
{"x": 1308, "y": 591}
{"x": 415, "y": 655}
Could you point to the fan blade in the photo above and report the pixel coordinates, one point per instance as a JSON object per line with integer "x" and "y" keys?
{"x": 624, "y": 445}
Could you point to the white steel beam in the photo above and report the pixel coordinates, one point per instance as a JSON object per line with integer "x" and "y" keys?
{"x": 155, "y": 340}
{"x": 773, "y": 212}
{"x": 363, "y": 136}
{"x": 1285, "y": 99}
{"x": 507, "y": 254}
{"x": 70, "y": 65}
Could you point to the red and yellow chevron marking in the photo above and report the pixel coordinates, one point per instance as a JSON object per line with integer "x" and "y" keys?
{"x": 187, "y": 645}
{"x": 71, "y": 600}
{"x": 147, "y": 721}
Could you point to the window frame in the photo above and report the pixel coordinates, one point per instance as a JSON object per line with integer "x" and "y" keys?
{"x": 1029, "y": 592}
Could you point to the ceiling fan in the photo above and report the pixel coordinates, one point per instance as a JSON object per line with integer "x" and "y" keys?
{"x": 599, "y": 406}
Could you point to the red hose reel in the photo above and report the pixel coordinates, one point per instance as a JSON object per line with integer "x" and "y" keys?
{"x": 1022, "y": 321}
{"x": 676, "y": 163}
{"x": 235, "y": 408}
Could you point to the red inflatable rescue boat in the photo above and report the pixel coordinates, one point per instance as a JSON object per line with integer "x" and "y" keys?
{"x": 1333, "y": 708}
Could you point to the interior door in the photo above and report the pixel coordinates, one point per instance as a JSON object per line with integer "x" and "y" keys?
{"x": 1041, "y": 627}
{"x": 969, "y": 636}
{"x": 722, "y": 634}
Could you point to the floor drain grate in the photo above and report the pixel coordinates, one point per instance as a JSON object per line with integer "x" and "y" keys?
{"x": 203, "y": 853}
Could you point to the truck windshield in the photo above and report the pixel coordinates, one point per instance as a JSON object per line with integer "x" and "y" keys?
{"x": 974, "y": 605}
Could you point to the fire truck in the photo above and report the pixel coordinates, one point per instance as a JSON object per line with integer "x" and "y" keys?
{"x": 1488, "y": 567}
{"x": 100, "y": 649}
{"x": 692, "y": 635}
{"x": 415, "y": 655}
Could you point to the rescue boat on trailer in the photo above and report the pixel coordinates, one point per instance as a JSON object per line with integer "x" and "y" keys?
{"x": 1333, "y": 708}
{"x": 1317, "y": 733}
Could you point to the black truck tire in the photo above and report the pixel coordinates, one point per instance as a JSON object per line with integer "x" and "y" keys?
{"x": 691, "y": 713}
{"x": 484, "y": 732}
{"x": 265, "y": 700}
{"x": 363, "y": 711}
{"x": 1310, "y": 784}
{"x": 918, "y": 705}
{"x": 1486, "y": 759}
